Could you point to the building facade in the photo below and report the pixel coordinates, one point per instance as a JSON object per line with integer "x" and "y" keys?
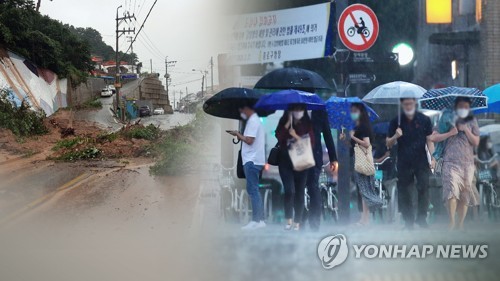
{"x": 458, "y": 43}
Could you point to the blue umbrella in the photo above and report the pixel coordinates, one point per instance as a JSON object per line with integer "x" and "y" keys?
{"x": 282, "y": 99}
{"x": 440, "y": 99}
{"x": 381, "y": 128}
{"x": 493, "y": 94}
{"x": 339, "y": 112}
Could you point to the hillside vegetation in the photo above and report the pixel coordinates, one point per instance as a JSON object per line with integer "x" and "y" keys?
{"x": 50, "y": 44}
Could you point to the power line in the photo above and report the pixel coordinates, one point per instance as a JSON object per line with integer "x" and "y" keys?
{"x": 145, "y": 35}
{"x": 142, "y": 26}
{"x": 149, "y": 48}
{"x": 141, "y": 6}
{"x": 186, "y": 82}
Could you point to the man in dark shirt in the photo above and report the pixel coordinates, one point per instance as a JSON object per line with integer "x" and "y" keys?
{"x": 319, "y": 119}
{"x": 411, "y": 131}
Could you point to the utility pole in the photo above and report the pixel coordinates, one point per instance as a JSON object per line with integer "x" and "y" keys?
{"x": 204, "y": 74}
{"x": 167, "y": 76}
{"x": 202, "y": 85}
{"x": 344, "y": 175}
{"x": 38, "y": 4}
{"x": 132, "y": 50}
{"x": 119, "y": 33}
{"x": 212, "y": 74}
{"x": 151, "y": 65}
{"x": 174, "y": 100}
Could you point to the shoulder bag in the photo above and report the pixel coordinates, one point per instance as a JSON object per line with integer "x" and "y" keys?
{"x": 274, "y": 156}
{"x": 363, "y": 160}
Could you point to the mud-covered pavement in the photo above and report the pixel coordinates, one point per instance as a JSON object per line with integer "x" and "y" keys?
{"x": 105, "y": 119}
{"x": 84, "y": 221}
{"x": 106, "y": 219}
{"x": 112, "y": 220}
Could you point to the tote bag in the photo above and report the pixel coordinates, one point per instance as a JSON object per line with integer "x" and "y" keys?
{"x": 301, "y": 154}
{"x": 363, "y": 160}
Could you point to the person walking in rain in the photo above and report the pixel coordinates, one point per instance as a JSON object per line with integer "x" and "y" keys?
{"x": 294, "y": 123}
{"x": 319, "y": 119}
{"x": 253, "y": 156}
{"x": 362, "y": 135}
{"x": 412, "y": 131}
{"x": 458, "y": 163}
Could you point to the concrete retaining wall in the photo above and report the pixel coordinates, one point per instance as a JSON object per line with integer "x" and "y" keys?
{"x": 85, "y": 92}
{"x": 148, "y": 89}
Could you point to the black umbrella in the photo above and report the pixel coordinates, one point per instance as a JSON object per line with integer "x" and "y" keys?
{"x": 225, "y": 103}
{"x": 292, "y": 78}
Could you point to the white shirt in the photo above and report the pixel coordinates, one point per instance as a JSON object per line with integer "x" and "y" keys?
{"x": 256, "y": 151}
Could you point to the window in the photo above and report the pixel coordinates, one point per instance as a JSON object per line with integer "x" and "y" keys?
{"x": 466, "y": 7}
{"x": 438, "y": 11}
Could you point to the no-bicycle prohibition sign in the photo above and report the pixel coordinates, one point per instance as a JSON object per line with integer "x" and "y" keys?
{"x": 358, "y": 27}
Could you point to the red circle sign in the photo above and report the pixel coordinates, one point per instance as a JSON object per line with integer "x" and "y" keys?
{"x": 358, "y": 27}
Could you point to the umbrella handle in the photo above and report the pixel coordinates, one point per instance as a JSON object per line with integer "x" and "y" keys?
{"x": 236, "y": 141}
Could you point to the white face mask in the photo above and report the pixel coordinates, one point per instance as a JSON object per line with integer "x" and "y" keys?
{"x": 243, "y": 116}
{"x": 462, "y": 112}
{"x": 410, "y": 113}
{"x": 297, "y": 115}
{"x": 489, "y": 145}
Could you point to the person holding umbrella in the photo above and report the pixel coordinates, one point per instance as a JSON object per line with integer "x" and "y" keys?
{"x": 361, "y": 136}
{"x": 411, "y": 130}
{"x": 321, "y": 128}
{"x": 458, "y": 155}
{"x": 294, "y": 123}
{"x": 238, "y": 104}
{"x": 295, "y": 134}
{"x": 253, "y": 159}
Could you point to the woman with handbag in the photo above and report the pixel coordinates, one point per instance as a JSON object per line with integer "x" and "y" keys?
{"x": 364, "y": 168}
{"x": 295, "y": 138}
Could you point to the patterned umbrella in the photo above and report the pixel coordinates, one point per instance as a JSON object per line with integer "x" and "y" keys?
{"x": 339, "y": 112}
{"x": 282, "y": 99}
{"x": 440, "y": 99}
{"x": 493, "y": 94}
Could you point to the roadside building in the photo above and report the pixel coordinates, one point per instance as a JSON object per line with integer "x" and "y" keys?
{"x": 458, "y": 43}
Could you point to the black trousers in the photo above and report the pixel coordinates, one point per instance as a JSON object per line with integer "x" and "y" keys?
{"x": 406, "y": 177}
{"x": 294, "y": 184}
{"x": 314, "y": 192}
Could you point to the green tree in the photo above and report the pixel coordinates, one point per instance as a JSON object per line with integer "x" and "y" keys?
{"x": 46, "y": 42}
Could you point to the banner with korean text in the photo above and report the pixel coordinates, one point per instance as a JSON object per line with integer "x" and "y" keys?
{"x": 283, "y": 35}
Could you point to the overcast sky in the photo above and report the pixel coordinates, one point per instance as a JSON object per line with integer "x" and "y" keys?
{"x": 183, "y": 30}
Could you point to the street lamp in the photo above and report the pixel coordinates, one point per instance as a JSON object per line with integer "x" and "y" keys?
{"x": 405, "y": 53}
{"x": 204, "y": 74}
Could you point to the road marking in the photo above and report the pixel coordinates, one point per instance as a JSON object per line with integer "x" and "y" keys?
{"x": 44, "y": 198}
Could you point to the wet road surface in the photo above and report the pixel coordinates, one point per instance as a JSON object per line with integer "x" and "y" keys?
{"x": 113, "y": 221}
{"x": 104, "y": 117}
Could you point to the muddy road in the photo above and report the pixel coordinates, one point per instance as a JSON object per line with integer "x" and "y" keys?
{"x": 99, "y": 219}
{"x": 105, "y": 119}
{"x": 88, "y": 221}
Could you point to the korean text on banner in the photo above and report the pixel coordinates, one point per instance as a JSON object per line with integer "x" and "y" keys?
{"x": 283, "y": 35}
